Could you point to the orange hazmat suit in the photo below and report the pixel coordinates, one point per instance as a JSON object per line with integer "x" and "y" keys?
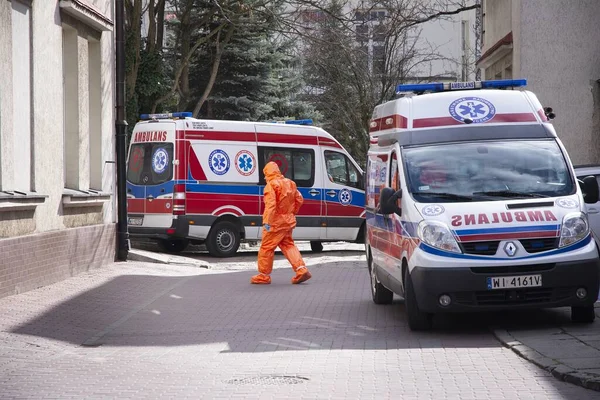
{"x": 282, "y": 202}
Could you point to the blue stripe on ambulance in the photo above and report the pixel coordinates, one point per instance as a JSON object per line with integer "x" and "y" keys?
{"x": 358, "y": 198}
{"x": 536, "y": 228}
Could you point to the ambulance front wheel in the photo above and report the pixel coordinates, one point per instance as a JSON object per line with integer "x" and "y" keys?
{"x": 223, "y": 239}
{"x": 174, "y": 245}
{"x": 379, "y": 293}
{"x": 417, "y": 319}
{"x": 583, "y": 315}
{"x": 316, "y": 247}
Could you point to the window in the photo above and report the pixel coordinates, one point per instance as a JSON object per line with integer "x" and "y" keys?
{"x": 295, "y": 164}
{"x": 95, "y": 113}
{"x": 394, "y": 182}
{"x": 140, "y": 168}
{"x": 21, "y": 95}
{"x": 340, "y": 170}
{"x": 378, "y": 59}
{"x": 362, "y": 33}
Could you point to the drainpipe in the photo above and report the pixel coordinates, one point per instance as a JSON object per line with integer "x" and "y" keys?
{"x": 121, "y": 134}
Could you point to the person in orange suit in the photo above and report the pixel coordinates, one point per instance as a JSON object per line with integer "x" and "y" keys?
{"x": 282, "y": 202}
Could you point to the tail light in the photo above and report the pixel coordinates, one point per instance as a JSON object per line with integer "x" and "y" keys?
{"x": 179, "y": 199}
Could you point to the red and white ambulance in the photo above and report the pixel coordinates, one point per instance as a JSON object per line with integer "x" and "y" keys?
{"x": 202, "y": 181}
{"x": 473, "y": 204}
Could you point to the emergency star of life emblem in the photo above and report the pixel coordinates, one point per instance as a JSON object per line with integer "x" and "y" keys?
{"x": 510, "y": 249}
{"x": 433, "y": 210}
{"x": 246, "y": 163}
{"x": 345, "y": 196}
{"x": 476, "y": 109}
{"x": 160, "y": 160}
{"x": 218, "y": 161}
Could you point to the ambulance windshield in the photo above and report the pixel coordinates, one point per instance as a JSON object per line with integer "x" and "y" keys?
{"x": 482, "y": 171}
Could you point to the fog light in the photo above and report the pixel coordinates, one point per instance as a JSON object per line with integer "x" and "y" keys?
{"x": 581, "y": 293}
{"x": 445, "y": 300}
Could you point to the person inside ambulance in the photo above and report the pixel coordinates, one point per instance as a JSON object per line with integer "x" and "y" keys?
{"x": 282, "y": 202}
{"x": 432, "y": 175}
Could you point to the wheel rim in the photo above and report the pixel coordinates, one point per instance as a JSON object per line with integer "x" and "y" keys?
{"x": 373, "y": 280}
{"x": 225, "y": 240}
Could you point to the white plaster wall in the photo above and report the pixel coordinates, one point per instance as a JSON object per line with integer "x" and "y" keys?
{"x": 107, "y": 46}
{"x": 561, "y": 61}
{"x": 443, "y": 37}
{"x": 47, "y": 112}
{"x": 497, "y": 21}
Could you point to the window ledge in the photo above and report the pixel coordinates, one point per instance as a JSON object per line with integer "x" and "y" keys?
{"x": 87, "y": 13}
{"x": 19, "y": 201}
{"x": 84, "y": 198}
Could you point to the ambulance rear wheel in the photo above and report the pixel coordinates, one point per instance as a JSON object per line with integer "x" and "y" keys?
{"x": 174, "y": 245}
{"x": 316, "y": 247}
{"x": 223, "y": 239}
{"x": 417, "y": 319}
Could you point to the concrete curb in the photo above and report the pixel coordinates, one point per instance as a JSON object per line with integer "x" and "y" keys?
{"x": 160, "y": 258}
{"x": 556, "y": 368}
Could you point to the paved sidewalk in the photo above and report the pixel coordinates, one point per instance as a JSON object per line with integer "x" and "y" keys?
{"x": 145, "y": 331}
{"x": 571, "y": 352}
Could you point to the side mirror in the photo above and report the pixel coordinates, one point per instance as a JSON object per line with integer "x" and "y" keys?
{"x": 388, "y": 201}
{"x": 589, "y": 187}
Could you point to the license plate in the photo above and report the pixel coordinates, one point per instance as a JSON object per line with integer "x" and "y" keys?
{"x": 135, "y": 220}
{"x": 511, "y": 282}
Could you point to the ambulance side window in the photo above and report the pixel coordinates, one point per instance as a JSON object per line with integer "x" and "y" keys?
{"x": 394, "y": 174}
{"x": 341, "y": 170}
{"x": 295, "y": 164}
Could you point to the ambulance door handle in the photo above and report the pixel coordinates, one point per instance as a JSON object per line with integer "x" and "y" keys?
{"x": 331, "y": 193}
{"x": 313, "y": 192}
{"x": 593, "y": 211}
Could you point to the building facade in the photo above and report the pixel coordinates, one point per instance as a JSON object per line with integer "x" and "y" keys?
{"x": 555, "y": 45}
{"x": 57, "y": 157}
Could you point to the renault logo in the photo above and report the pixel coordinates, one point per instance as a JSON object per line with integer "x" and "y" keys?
{"x": 510, "y": 249}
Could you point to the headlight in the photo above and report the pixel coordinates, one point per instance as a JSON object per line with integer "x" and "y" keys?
{"x": 437, "y": 234}
{"x": 574, "y": 228}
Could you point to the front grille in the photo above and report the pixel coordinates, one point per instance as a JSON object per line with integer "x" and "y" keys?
{"x": 481, "y": 248}
{"x": 539, "y": 245}
{"x": 512, "y": 269}
{"x": 513, "y": 296}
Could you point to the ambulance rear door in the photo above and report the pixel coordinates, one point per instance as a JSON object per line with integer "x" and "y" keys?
{"x": 150, "y": 175}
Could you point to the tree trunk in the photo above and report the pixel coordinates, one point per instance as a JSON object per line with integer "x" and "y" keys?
{"x": 136, "y": 30}
{"x": 214, "y": 71}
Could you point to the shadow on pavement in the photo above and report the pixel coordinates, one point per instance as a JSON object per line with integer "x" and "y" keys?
{"x": 331, "y": 311}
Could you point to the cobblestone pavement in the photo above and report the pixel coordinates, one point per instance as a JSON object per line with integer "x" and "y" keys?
{"x": 141, "y": 330}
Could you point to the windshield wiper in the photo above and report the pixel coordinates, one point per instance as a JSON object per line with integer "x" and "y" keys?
{"x": 450, "y": 196}
{"x": 509, "y": 193}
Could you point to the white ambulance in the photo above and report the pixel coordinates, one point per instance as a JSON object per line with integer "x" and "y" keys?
{"x": 202, "y": 181}
{"x": 473, "y": 205}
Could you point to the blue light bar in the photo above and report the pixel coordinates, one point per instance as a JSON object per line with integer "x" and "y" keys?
{"x": 451, "y": 86}
{"x": 299, "y": 122}
{"x": 186, "y": 114}
{"x": 503, "y": 83}
{"x": 421, "y": 87}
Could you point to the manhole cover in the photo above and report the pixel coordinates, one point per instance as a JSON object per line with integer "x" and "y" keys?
{"x": 268, "y": 380}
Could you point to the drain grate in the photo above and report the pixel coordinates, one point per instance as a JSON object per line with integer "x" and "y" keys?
{"x": 268, "y": 380}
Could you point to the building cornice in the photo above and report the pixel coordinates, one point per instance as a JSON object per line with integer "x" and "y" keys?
{"x": 87, "y": 14}
{"x": 497, "y": 51}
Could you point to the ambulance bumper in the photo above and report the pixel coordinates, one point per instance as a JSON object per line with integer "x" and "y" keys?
{"x": 468, "y": 287}
{"x": 179, "y": 229}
